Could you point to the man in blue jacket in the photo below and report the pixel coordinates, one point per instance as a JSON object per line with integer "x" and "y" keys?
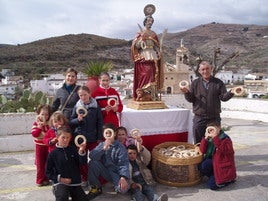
{"x": 109, "y": 160}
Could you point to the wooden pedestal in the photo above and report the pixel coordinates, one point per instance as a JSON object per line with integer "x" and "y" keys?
{"x": 146, "y": 105}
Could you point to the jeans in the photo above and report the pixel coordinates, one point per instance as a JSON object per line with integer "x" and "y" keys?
{"x": 147, "y": 191}
{"x": 97, "y": 169}
{"x": 206, "y": 168}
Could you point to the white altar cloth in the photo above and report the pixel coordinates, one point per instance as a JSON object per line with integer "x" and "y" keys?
{"x": 158, "y": 121}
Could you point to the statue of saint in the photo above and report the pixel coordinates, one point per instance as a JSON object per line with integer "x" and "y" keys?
{"x": 145, "y": 52}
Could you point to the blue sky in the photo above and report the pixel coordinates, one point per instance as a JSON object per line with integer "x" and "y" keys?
{"x": 23, "y": 21}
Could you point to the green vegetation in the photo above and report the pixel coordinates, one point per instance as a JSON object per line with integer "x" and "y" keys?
{"x": 95, "y": 68}
{"x": 28, "y": 102}
{"x": 264, "y": 97}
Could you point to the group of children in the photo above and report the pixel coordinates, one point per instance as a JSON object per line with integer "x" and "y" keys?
{"x": 59, "y": 161}
{"x": 108, "y": 154}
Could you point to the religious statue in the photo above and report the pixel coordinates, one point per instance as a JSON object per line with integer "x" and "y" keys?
{"x": 146, "y": 54}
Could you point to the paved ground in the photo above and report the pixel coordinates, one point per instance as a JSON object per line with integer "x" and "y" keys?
{"x": 250, "y": 138}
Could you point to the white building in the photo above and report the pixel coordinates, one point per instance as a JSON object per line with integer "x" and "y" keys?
{"x": 228, "y": 77}
{"x": 8, "y": 90}
{"x": 9, "y": 84}
{"x": 52, "y": 83}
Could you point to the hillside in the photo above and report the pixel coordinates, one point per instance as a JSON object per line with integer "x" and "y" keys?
{"x": 56, "y": 53}
{"x": 251, "y": 41}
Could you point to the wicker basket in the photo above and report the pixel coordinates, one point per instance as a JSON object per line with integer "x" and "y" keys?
{"x": 175, "y": 171}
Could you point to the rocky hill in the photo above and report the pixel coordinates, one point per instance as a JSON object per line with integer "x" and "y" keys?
{"x": 56, "y": 53}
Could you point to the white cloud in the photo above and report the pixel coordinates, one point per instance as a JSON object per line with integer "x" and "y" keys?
{"x": 30, "y": 20}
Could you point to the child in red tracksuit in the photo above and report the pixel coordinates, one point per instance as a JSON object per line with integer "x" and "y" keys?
{"x": 40, "y": 127}
{"x": 109, "y": 100}
{"x": 218, "y": 163}
{"x": 56, "y": 121}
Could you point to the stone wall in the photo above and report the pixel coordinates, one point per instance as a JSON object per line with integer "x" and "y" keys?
{"x": 15, "y": 128}
{"x": 248, "y": 109}
{"x": 15, "y": 132}
{"x": 236, "y": 108}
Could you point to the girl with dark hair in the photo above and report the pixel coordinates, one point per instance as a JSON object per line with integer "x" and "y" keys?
{"x": 109, "y": 100}
{"x": 66, "y": 96}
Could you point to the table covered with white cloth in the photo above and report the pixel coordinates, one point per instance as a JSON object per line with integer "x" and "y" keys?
{"x": 159, "y": 125}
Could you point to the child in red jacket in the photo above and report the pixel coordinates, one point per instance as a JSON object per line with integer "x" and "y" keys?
{"x": 40, "y": 127}
{"x": 56, "y": 121}
{"x": 109, "y": 100}
{"x": 218, "y": 163}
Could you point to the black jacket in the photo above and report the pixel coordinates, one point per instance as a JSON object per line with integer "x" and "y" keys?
{"x": 64, "y": 162}
{"x": 61, "y": 96}
{"x": 92, "y": 123}
{"x": 207, "y": 102}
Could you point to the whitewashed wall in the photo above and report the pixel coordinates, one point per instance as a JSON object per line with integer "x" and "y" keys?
{"x": 15, "y": 132}
{"x": 242, "y": 108}
{"x": 15, "y": 128}
{"x": 236, "y": 108}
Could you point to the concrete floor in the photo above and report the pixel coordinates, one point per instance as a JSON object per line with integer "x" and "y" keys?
{"x": 250, "y": 139}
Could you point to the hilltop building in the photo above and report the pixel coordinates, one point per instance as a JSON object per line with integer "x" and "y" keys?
{"x": 173, "y": 74}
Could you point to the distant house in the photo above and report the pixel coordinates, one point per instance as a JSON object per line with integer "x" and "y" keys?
{"x": 52, "y": 83}
{"x": 8, "y": 90}
{"x": 256, "y": 76}
{"x": 229, "y": 77}
{"x": 10, "y": 83}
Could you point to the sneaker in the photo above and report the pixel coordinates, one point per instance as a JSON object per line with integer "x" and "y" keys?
{"x": 85, "y": 185}
{"x": 94, "y": 192}
{"x": 163, "y": 197}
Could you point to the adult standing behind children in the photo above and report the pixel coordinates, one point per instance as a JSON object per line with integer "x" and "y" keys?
{"x": 87, "y": 120}
{"x": 109, "y": 100}
{"x": 66, "y": 97}
{"x": 39, "y": 129}
{"x": 206, "y": 94}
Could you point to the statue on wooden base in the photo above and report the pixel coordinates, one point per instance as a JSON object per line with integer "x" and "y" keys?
{"x": 148, "y": 66}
